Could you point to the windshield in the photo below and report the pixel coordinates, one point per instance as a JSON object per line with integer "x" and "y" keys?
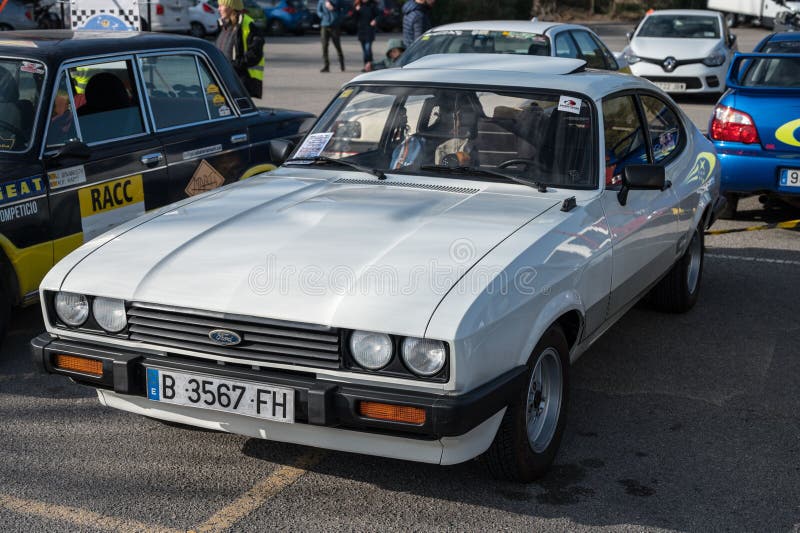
{"x": 20, "y": 89}
{"x": 773, "y": 72}
{"x": 680, "y": 26}
{"x": 476, "y": 41}
{"x": 533, "y": 136}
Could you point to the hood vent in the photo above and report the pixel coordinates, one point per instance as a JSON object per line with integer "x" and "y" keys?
{"x": 409, "y": 185}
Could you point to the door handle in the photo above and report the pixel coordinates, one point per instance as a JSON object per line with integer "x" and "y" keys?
{"x": 151, "y": 159}
{"x": 239, "y": 138}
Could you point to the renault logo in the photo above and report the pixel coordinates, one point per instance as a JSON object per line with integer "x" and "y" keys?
{"x": 225, "y": 337}
{"x": 669, "y": 64}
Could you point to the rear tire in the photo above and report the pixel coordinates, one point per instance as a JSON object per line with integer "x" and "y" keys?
{"x": 529, "y": 435}
{"x": 680, "y": 288}
{"x": 276, "y": 27}
{"x": 197, "y": 30}
{"x": 731, "y": 206}
{"x": 5, "y": 27}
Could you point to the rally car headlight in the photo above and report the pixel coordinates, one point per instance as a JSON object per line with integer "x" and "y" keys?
{"x": 110, "y": 314}
{"x": 371, "y": 350}
{"x": 424, "y": 357}
{"x": 714, "y": 60}
{"x": 71, "y": 308}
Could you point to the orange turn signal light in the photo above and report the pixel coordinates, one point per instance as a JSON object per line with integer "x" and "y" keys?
{"x": 79, "y": 364}
{"x": 393, "y": 413}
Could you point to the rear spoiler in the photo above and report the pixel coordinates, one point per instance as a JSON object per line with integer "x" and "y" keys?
{"x": 740, "y": 64}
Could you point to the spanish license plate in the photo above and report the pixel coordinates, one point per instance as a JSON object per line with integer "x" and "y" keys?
{"x": 790, "y": 177}
{"x": 670, "y": 87}
{"x": 206, "y": 392}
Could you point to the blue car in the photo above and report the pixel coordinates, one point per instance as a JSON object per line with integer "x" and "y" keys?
{"x": 756, "y": 124}
{"x": 286, "y": 16}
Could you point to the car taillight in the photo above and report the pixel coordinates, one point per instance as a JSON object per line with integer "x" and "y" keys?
{"x": 290, "y": 10}
{"x": 730, "y": 124}
{"x": 28, "y": 15}
{"x": 208, "y": 9}
{"x": 159, "y": 9}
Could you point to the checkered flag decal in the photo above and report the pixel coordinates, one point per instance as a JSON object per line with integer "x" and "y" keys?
{"x": 80, "y": 16}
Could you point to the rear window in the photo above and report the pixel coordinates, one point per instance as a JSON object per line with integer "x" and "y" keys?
{"x": 782, "y": 47}
{"x": 21, "y": 83}
{"x": 477, "y": 41}
{"x": 680, "y": 26}
{"x": 772, "y": 72}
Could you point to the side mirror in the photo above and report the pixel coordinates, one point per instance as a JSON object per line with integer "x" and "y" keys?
{"x": 279, "y": 150}
{"x": 629, "y": 36}
{"x": 74, "y": 148}
{"x": 643, "y": 178}
{"x": 731, "y": 40}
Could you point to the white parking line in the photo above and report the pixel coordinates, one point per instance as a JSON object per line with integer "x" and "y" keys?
{"x": 754, "y": 259}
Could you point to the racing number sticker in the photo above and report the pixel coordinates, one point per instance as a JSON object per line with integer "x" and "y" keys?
{"x": 109, "y": 204}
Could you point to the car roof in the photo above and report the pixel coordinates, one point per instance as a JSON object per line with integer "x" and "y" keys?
{"x": 529, "y": 26}
{"x": 784, "y": 36}
{"x": 706, "y": 12}
{"x": 55, "y": 46}
{"x": 518, "y": 71}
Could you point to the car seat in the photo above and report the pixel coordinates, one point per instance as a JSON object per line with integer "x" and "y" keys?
{"x": 104, "y": 92}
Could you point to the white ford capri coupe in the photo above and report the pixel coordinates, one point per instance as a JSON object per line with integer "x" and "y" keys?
{"x": 415, "y": 279}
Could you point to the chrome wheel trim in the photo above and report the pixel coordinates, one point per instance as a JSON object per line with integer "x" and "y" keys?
{"x": 695, "y": 261}
{"x": 543, "y": 405}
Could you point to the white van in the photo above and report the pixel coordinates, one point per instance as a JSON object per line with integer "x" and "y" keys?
{"x": 762, "y": 12}
{"x": 167, "y": 15}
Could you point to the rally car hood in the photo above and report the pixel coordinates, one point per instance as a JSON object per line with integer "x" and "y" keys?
{"x": 343, "y": 252}
{"x": 662, "y": 47}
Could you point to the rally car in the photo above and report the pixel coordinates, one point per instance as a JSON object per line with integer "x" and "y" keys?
{"x": 97, "y": 128}
{"x": 756, "y": 124}
{"x": 415, "y": 280}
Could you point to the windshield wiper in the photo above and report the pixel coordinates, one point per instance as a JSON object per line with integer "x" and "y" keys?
{"x": 323, "y": 159}
{"x": 541, "y": 187}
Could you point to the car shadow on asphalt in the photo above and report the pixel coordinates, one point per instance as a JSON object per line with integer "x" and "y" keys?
{"x": 670, "y": 425}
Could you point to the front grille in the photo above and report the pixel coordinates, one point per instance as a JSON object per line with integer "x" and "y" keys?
{"x": 691, "y": 83}
{"x": 262, "y": 339}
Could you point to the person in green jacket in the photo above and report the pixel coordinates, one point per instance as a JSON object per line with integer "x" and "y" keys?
{"x": 242, "y": 44}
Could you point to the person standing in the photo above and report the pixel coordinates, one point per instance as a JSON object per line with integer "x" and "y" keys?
{"x": 330, "y": 29}
{"x": 416, "y": 19}
{"x": 242, "y": 44}
{"x": 367, "y": 13}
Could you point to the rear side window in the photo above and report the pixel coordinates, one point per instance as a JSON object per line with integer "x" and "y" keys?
{"x": 624, "y": 136}
{"x": 664, "y": 127}
{"x": 565, "y": 46}
{"x": 62, "y": 117}
{"x": 182, "y": 91}
{"x": 106, "y": 101}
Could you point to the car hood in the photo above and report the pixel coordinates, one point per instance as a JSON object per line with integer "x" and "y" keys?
{"x": 660, "y": 48}
{"x": 342, "y": 251}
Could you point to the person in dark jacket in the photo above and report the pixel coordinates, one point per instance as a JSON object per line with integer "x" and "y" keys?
{"x": 394, "y": 49}
{"x": 366, "y": 13}
{"x": 416, "y": 19}
{"x": 330, "y": 29}
{"x": 242, "y": 44}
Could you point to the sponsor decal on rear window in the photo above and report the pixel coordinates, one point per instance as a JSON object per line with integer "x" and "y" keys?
{"x": 570, "y": 104}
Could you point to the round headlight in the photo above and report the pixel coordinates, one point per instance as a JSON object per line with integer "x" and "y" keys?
{"x": 71, "y": 308}
{"x": 110, "y": 314}
{"x": 371, "y": 350}
{"x": 424, "y": 356}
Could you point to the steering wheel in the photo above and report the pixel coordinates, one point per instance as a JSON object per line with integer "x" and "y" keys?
{"x": 517, "y": 161}
{"x": 12, "y": 128}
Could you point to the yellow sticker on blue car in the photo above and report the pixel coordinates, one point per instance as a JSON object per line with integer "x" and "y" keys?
{"x": 787, "y": 134}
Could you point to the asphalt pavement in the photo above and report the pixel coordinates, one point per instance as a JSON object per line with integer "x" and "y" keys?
{"x": 675, "y": 422}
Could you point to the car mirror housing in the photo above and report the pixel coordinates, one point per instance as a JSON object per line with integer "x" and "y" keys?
{"x": 279, "y": 150}
{"x": 642, "y": 177}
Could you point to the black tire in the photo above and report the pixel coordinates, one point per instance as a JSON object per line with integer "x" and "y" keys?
{"x": 731, "y": 206}
{"x": 197, "y": 30}
{"x": 5, "y": 306}
{"x": 678, "y": 291}
{"x": 5, "y": 27}
{"x": 276, "y": 27}
{"x": 511, "y": 456}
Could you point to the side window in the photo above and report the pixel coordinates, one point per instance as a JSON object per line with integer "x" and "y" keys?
{"x": 624, "y": 137}
{"x": 62, "y": 117}
{"x": 610, "y": 59}
{"x": 106, "y": 101}
{"x": 182, "y": 91}
{"x": 590, "y": 50}
{"x": 666, "y": 133}
{"x": 565, "y": 46}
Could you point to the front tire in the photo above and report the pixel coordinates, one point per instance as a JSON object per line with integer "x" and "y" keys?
{"x": 680, "y": 288}
{"x": 731, "y": 206}
{"x": 197, "y": 30}
{"x": 529, "y": 435}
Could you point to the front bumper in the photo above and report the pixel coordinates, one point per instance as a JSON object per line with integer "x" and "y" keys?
{"x": 749, "y": 169}
{"x": 317, "y": 402}
{"x": 698, "y": 77}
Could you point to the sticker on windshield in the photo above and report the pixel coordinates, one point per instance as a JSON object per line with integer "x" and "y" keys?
{"x": 7, "y": 144}
{"x": 569, "y": 104}
{"x": 346, "y": 93}
{"x": 313, "y": 146}
{"x": 66, "y": 177}
{"x": 212, "y": 89}
{"x": 31, "y": 67}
